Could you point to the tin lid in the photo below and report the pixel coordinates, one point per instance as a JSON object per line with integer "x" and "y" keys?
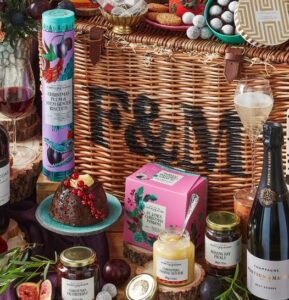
{"x": 58, "y": 20}
{"x": 222, "y": 221}
{"x": 263, "y": 23}
{"x": 141, "y": 287}
{"x": 77, "y": 257}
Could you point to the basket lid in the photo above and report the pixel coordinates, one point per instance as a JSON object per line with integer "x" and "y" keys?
{"x": 58, "y": 20}
{"x": 263, "y": 23}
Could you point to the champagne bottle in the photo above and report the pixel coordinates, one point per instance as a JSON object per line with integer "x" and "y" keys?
{"x": 4, "y": 179}
{"x": 268, "y": 226}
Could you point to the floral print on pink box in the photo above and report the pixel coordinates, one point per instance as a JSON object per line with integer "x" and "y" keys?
{"x": 158, "y": 196}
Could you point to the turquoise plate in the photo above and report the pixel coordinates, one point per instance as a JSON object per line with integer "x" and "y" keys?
{"x": 44, "y": 218}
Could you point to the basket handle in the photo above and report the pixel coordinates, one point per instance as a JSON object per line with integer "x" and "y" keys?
{"x": 233, "y": 63}
{"x": 95, "y": 44}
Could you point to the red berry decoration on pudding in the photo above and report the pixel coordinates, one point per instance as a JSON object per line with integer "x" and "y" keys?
{"x": 79, "y": 201}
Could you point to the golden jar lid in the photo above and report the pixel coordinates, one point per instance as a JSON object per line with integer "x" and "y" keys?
{"x": 222, "y": 221}
{"x": 77, "y": 257}
{"x": 141, "y": 287}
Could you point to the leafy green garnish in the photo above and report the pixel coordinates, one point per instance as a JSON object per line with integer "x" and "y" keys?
{"x": 25, "y": 29}
{"x": 236, "y": 289}
{"x": 16, "y": 266}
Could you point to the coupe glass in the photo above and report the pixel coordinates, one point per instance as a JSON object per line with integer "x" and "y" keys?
{"x": 253, "y": 102}
{"x": 17, "y": 92}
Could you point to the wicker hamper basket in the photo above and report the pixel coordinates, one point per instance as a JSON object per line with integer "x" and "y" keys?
{"x": 157, "y": 96}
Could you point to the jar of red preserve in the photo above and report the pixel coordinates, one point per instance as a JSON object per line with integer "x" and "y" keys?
{"x": 78, "y": 274}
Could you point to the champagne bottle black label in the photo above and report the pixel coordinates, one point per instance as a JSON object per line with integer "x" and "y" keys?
{"x": 268, "y": 227}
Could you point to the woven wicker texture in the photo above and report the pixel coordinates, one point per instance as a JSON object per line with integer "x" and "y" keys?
{"x": 157, "y": 96}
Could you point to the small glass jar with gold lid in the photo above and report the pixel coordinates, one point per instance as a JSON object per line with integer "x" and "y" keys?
{"x": 142, "y": 287}
{"x": 78, "y": 274}
{"x": 174, "y": 257}
{"x": 223, "y": 243}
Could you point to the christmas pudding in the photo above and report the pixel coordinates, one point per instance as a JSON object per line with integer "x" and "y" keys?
{"x": 79, "y": 201}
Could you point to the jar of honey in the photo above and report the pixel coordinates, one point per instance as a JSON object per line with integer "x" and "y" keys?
{"x": 173, "y": 258}
{"x": 78, "y": 274}
{"x": 223, "y": 243}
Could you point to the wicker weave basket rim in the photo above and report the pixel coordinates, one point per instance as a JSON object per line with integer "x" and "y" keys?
{"x": 177, "y": 41}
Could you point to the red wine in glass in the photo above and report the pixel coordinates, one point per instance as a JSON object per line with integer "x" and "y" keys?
{"x": 15, "y": 101}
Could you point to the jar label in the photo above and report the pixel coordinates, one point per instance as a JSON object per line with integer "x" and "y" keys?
{"x": 77, "y": 289}
{"x": 223, "y": 254}
{"x": 4, "y": 184}
{"x": 267, "y": 279}
{"x": 154, "y": 218}
{"x": 58, "y": 103}
{"x": 172, "y": 271}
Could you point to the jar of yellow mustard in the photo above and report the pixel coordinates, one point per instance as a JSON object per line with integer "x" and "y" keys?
{"x": 173, "y": 258}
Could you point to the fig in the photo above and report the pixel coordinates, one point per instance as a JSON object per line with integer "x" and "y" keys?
{"x": 116, "y": 271}
{"x": 210, "y": 288}
{"x": 46, "y": 290}
{"x": 28, "y": 291}
{"x": 53, "y": 157}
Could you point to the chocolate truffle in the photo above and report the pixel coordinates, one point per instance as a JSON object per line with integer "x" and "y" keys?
{"x": 216, "y": 24}
{"x": 206, "y": 33}
{"x": 188, "y": 18}
{"x": 223, "y": 2}
{"x": 227, "y": 17}
{"x": 233, "y": 6}
{"x": 199, "y": 21}
{"x": 215, "y": 10}
{"x": 227, "y": 29}
{"x": 193, "y": 32}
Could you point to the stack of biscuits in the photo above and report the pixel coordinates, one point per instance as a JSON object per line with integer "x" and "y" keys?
{"x": 160, "y": 13}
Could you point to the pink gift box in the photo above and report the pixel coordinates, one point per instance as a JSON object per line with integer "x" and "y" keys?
{"x": 158, "y": 196}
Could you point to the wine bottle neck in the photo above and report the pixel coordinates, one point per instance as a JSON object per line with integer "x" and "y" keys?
{"x": 272, "y": 179}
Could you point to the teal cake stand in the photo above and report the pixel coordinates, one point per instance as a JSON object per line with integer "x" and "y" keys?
{"x": 45, "y": 220}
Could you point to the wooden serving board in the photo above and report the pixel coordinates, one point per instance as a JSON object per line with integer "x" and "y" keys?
{"x": 186, "y": 292}
{"x": 26, "y": 127}
{"x": 136, "y": 254}
{"x": 23, "y": 181}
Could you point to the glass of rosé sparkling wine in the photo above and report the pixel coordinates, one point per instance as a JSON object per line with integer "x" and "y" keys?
{"x": 17, "y": 92}
{"x": 253, "y": 102}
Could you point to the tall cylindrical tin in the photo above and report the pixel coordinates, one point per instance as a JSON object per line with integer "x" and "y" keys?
{"x": 57, "y": 91}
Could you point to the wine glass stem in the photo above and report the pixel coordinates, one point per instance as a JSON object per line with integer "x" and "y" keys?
{"x": 14, "y": 149}
{"x": 253, "y": 150}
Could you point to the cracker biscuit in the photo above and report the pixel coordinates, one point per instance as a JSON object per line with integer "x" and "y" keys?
{"x": 152, "y": 15}
{"x": 156, "y": 7}
{"x": 169, "y": 19}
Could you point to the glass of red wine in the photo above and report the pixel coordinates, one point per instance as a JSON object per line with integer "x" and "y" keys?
{"x": 17, "y": 92}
